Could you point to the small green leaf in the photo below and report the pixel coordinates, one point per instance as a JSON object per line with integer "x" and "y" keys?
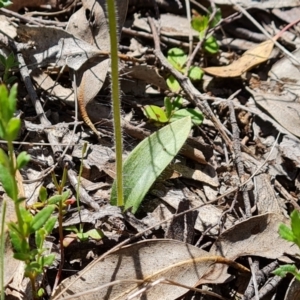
{"x": 40, "y": 238}
{"x": 55, "y": 199}
{"x": 295, "y": 225}
{"x": 43, "y": 194}
{"x": 12, "y": 101}
{"x": 168, "y": 106}
{"x": 21, "y": 256}
{"x": 40, "y": 292}
{"x": 4, "y": 160}
{"x": 200, "y": 23}
{"x": 41, "y": 218}
{"x": 22, "y": 160}
{"x": 155, "y": 113}
{"x": 147, "y": 161}
{"x": 65, "y": 195}
{"x": 26, "y": 216}
{"x": 173, "y": 84}
{"x": 8, "y": 182}
{"x": 11, "y": 79}
{"x": 177, "y": 58}
{"x": 211, "y": 45}
{"x": 195, "y": 73}
{"x": 286, "y": 233}
{"x": 217, "y": 18}
{"x": 50, "y": 225}
{"x": 195, "y": 114}
{"x": 177, "y": 103}
{"x": 95, "y": 234}
{"x": 4, "y": 3}
{"x": 283, "y": 270}
{"x": 47, "y": 260}
{"x": 13, "y": 128}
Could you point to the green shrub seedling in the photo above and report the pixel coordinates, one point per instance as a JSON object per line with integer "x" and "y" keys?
{"x": 292, "y": 235}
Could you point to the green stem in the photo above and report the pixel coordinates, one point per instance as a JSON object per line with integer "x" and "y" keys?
{"x": 2, "y": 245}
{"x": 115, "y": 92}
{"x": 12, "y": 169}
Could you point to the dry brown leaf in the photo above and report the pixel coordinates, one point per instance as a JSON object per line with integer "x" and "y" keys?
{"x": 283, "y": 107}
{"x": 149, "y": 260}
{"x": 255, "y": 236}
{"x": 247, "y": 61}
{"x": 293, "y": 291}
{"x": 198, "y": 175}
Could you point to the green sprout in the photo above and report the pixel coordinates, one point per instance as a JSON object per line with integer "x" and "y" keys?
{"x": 292, "y": 235}
{"x": 172, "y": 112}
{"x": 202, "y": 24}
{"x": 178, "y": 58}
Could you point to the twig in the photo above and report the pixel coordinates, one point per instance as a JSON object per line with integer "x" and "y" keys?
{"x": 238, "y": 156}
{"x": 261, "y": 277}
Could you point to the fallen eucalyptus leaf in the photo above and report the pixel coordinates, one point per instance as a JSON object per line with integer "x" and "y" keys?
{"x": 148, "y": 260}
{"x": 146, "y": 162}
{"x": 247, "y": 61}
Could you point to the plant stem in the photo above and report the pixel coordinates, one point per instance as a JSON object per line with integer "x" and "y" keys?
{"x": 115, "y": 93}
{"x": 2, "y": 245}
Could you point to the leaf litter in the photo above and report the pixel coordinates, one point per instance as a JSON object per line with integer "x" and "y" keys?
{"x": 221, "y": 227}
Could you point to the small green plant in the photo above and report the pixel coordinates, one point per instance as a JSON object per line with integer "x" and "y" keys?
{"x": 202, "y": 24}
{"x": 4, "y": 3}
{"x": 8, "y": 64}
{"x": 178, "y": 58}
{"x": 292, "y": 235}
{"x": 172, "y": 112}
{"x": 42, "y": 223}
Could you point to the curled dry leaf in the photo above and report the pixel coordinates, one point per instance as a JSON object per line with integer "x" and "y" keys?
{"x": 147, "y": 261}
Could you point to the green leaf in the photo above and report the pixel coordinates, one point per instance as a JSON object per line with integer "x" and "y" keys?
{"x": 147, "y": 161}
{"x": 26, "y": 216}
{"x": 286, "y": 233}
{"x": 22, "y": 160}
{"x": 295, "y": 223}
{"x": 283, "y": 270}
{"x": 200, "y": 23}
{"x": 5, "y": 3}
{"x": 15, "y": 237}
{"x": 41, "y": 218}
{"x": 8, "y": 182}
{"x": 55, "y": 199}
{"x": 177, "y": 103}
{"x": 173, "y": 84}
{"x": 65, "y": 195}
{"x": 95, "y": 234}
{"x": 155, "y": 113}
{"x": 168, "y": 106}
{"x": 13, "y": 128}
{"x": 11, "y": 79}
{"x": 12, "y": 101}
{"x": 2, "y": 60}
{"x": 40, "y": 292}
{"x": 4, "y": 160}
{"x": 177, "y": 58}
{"x": 40, "y": 238}
{"x": 195, "y": 114}
{"x": 43, "y": 195}
{"x": 195, "y": 73}
{"x": 50, "y": 224}
{"x": 211, "y": 45}
{"x": 47, "y": 260}
{"x": 22, "y": 256}
{"x": 217, "y": 18}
